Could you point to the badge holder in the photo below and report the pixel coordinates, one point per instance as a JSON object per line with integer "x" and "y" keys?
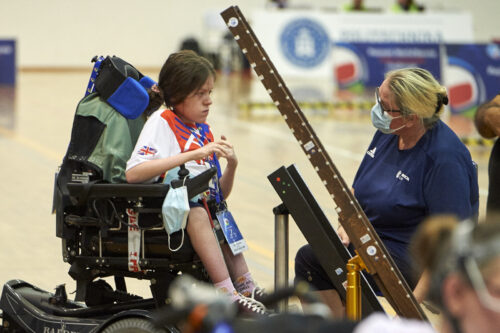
{"x": 231, "y": 231}
{"x": 224, "y": 218}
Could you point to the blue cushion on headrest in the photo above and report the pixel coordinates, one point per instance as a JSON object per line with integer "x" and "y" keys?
{"x": 130, "y": 99}
{"x": 147, "y": 82}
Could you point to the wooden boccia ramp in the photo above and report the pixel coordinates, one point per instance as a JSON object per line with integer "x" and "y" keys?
{"x": 368, "y": 245}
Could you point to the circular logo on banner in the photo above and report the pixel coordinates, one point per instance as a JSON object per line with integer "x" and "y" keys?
{"x": 305, "y": 43}
{"x": 493, "y": 51}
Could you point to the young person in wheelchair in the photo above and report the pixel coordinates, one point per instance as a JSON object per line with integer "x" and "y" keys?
{"x": 179, "y": 135}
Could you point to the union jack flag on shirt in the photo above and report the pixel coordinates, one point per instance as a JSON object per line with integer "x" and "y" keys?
{"x": 146, "y": 150}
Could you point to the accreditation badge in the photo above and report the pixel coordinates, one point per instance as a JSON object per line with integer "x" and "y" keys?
{"x": 231, "y": 232}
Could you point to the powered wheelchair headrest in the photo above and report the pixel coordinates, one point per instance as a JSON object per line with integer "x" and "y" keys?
{"x": 121, "y": 85}
{"x": 107, "y": 123}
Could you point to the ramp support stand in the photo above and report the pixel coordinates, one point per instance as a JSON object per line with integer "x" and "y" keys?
{"x": 281, "y": 252}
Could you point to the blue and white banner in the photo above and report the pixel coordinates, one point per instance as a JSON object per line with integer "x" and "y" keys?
{"x": 359, "y": 65}
{"x": 471, "y": 75}
{"x": 299, "y": 42}
{"x": 8, "y": 62}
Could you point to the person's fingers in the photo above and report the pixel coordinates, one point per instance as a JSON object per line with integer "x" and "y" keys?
{"x": 343, "y": 236}
{"x": 219, "y": 151}
{"x": 224, "y": 143}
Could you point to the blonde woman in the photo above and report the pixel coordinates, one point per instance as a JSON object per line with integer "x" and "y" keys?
{"x": 414, "y": 167}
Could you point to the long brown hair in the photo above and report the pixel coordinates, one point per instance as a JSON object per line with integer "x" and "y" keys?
{"x": 181, "y": 74}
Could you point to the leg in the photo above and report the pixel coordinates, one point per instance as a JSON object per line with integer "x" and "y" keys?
{"x": 240, "y": 275}
{"x": 236, "y": 264}
{"x": 307, "y": 268}
{"x": 332, "y": 299}
{"x": 207, "y": 247}
{"x": 205, "y": 244}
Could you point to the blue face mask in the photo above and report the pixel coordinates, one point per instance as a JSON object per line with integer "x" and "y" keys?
{"x": 382, "y": 120}
{"x": 175, "y": 210}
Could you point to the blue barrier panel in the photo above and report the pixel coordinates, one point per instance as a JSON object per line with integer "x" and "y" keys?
{"x": 7, "y": 61}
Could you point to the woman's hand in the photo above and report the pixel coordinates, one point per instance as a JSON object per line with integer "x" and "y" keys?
{"x": 343, "y": 236}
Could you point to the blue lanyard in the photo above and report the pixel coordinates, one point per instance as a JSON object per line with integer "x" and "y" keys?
{"x": 93, "y": 75}
{"x": 214, "y": 162}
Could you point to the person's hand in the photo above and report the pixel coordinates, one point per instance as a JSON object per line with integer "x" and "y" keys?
{"x": 343, "y": 236}
{"x": 228, "y": 151}
{"x": 419, "y": 295}
{"x": 221, "y": 148}
{"x": 208, "y": 150}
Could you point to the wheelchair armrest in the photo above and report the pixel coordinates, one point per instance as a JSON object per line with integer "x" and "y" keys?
{"x": 195, "y": 185}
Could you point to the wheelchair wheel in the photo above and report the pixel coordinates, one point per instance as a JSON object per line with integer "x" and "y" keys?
{"x": 135, "y": 325}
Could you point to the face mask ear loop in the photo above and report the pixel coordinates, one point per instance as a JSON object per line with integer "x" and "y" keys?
{"x": 179, "y": 247}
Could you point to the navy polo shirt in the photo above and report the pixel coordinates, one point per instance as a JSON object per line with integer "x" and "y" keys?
{"x": 398, "y": 189}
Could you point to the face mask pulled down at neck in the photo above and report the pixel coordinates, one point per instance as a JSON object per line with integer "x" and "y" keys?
{"x": 382, "y": 120}
{"x": 175, "y": 210}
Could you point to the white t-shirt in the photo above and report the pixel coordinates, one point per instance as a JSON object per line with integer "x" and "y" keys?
{"x": 158, "y": 140}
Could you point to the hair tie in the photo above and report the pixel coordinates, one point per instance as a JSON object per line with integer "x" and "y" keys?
{"x": 445, "y": 100}
{"x": 441, "y": 99}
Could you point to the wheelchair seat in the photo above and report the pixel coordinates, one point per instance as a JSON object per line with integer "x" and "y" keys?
{"x": 95, "y": 208}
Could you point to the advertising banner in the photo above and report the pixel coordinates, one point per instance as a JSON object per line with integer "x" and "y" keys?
{"x": 359, "y": 65}
{"x": 7, "y": 62}
{"x": 300, "y": 42}
{"x": 471, "y": 75}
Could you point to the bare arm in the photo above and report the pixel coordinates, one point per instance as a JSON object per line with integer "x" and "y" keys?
{"x": 422, "y": 287}
{"x": 152, "y": 168}
{"x": 487, "y": 118}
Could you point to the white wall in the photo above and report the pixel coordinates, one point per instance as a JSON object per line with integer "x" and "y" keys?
{"x": 68, "y": 33}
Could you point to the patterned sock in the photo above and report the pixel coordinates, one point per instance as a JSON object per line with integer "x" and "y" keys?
{"x": 226, "y": 287}
{"x": 245, "y": 284}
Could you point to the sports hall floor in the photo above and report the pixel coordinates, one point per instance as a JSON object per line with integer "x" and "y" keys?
{"x": 35, "y": 126}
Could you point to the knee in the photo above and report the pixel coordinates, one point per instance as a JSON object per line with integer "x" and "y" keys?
{"x": 198, "y": 219}
{"x": 304, "y": 255}
{"x": 308, "y": 268}
{"x": 304, "y": 259}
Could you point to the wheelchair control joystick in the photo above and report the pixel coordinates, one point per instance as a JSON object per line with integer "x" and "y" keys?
{"x": 183, "y": 172}
{"x": 60, "y": 297}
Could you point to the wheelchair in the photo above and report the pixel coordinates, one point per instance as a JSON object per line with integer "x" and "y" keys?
{"x": 108, "y": 228}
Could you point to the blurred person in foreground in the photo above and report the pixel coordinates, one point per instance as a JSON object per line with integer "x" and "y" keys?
{"x": 463, "y": 264}
{"x": 415, "y": 167}
{"x": 462, "y": 260}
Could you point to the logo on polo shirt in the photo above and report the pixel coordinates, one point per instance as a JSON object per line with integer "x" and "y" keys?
{"x": 401, "y": 176}
{"x": 371, "y": 152}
